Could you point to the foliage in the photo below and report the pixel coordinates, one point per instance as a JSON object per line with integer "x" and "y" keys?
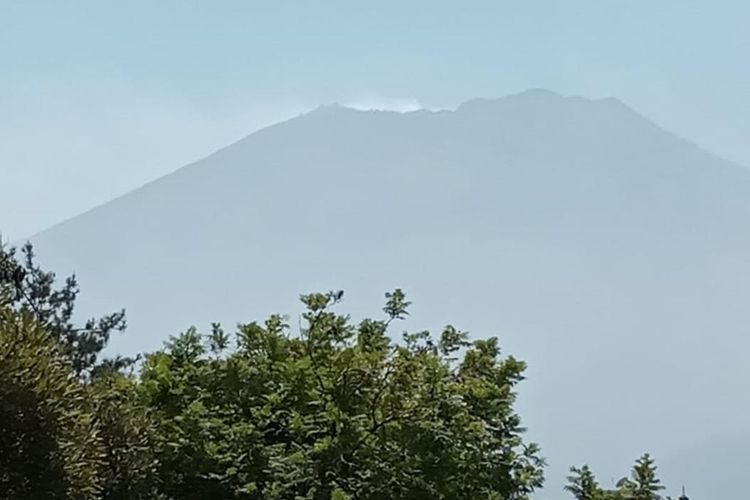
{"x": 24, "y": 286}
{"x": 49, "y": 446}
{"x": 583, "y": 484}
{"x": 643, "y": 483}
{"x": 126, "y": 434}
{"x": 339, "y": 411}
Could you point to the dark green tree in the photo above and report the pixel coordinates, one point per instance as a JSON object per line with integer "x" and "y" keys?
{"x": 24, "y": 286}
{"x": 127, "y": 438}
{"x": 49, "y": 446}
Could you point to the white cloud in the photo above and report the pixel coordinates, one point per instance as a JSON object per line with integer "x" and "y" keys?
{"x": 375, "y": 101}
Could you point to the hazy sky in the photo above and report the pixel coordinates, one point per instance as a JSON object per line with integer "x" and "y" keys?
{"x": 97, "y": 98}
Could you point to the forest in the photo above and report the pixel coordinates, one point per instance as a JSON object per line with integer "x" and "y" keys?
{"x": 332, "y": 409}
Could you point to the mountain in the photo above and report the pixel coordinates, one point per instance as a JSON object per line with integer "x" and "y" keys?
{"x": 610, "y": 254}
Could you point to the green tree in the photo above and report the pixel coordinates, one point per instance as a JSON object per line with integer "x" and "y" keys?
{"x": 338, "y": 411}
{"x": 49, "y": 448}
{"x": 24, "y": 286}
{"x": 127, "y": 438}
{"x": 642, "y": 484}
{"x": 583, "y": 484}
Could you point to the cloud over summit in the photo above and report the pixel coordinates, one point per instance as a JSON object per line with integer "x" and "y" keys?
{"x": 373, "y": 101}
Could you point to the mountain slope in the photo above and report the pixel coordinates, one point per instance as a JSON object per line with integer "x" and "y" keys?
{"x": 608, "y": 253}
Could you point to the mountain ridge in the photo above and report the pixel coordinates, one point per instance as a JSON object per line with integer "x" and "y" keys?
{"x": 538, "y": 94}
{"x": 594, "y": 241}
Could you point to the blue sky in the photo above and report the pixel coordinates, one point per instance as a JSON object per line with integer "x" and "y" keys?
{"x": 97, "y": 98}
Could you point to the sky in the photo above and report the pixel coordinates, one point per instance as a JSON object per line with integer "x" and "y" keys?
{"x": 97, "y": 98}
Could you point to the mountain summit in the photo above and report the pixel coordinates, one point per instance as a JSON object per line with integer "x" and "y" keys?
{"x": 605, "y": 251}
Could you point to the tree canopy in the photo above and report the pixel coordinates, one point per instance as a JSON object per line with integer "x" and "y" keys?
{"x": 642, "y": 483}
{"x": 24, "y": 286}
{"x": 337, "y": 409}
{"x": 49, "y": 446}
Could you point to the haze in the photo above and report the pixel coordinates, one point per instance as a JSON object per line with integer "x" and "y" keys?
{"x": 605, "y": 251}
{"x": 98, "y": 98}
{"x": 569, "y": 176}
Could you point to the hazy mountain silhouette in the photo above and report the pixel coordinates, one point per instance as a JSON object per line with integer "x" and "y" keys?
{"x": 608, "y": 253}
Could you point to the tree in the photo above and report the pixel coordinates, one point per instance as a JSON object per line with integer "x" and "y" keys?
{"x": 49, "y": 447}
{"x": 24, "y": 286}
{"x": 643, "y": 483}
{"x": 338, "y": 411}
{"x": 127, "y": 437}
{"x": 583, "y": 485}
